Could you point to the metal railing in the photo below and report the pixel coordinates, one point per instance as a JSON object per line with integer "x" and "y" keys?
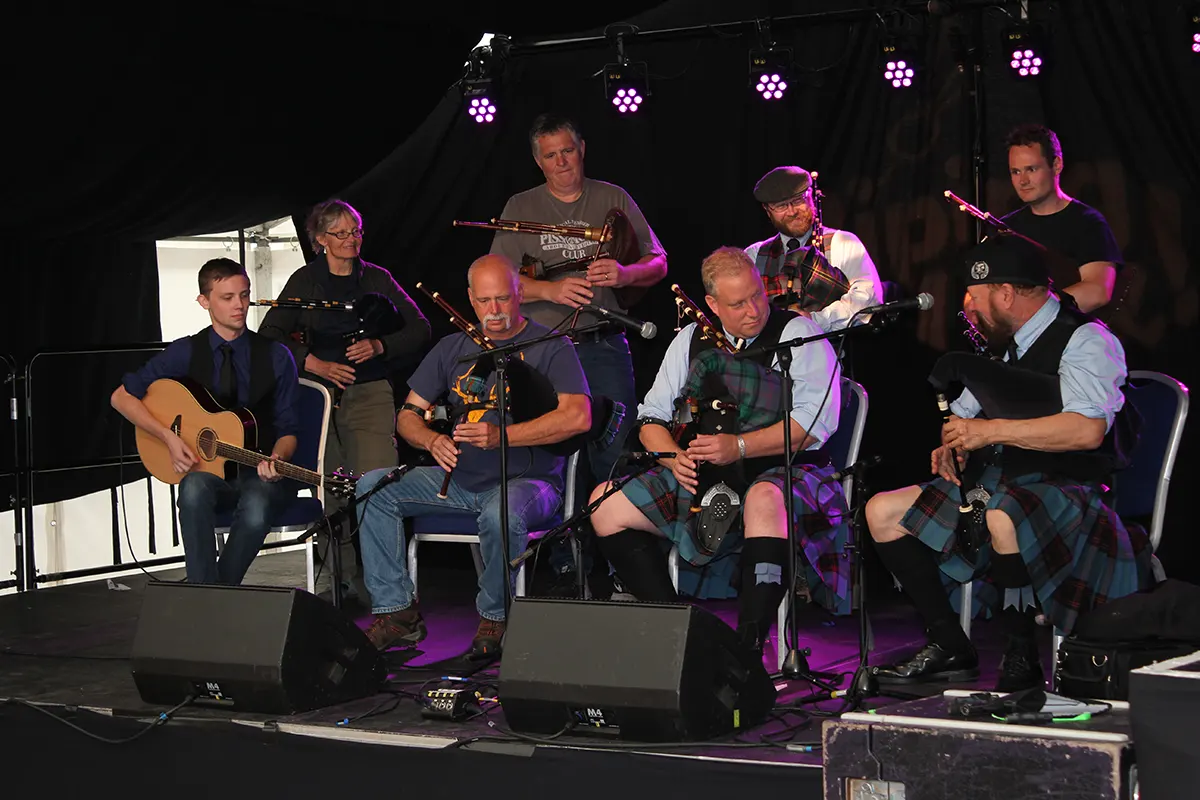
{"x": 10, "y": 380}
{"x": 27, "y": 577}
{"x": 30, "y": 580}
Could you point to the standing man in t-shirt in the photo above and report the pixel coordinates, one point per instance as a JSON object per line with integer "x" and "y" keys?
{"x": 470, "y": 453}
{"x": 1060, "y": 223}
{"x": 568, "y": 198}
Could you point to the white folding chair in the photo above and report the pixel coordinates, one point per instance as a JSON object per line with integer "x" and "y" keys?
{"x": 454, "y": 526}
{"x": 314, "y": 406}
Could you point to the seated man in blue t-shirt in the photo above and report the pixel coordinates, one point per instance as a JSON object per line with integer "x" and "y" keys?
{"x": 471, "y": 456}
{"x": 241, "y": 370}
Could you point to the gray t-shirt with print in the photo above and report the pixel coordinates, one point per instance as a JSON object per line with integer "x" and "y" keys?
{"x": 538, "y": 205}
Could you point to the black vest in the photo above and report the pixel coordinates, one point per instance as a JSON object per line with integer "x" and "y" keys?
{"x": 739, "y": 474}
{"x": 1113, "y": 454}
{"x": 262, "y": 382}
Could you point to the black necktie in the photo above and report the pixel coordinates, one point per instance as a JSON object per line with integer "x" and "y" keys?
{"x": 227, "y": 388}
{"x": 1012, "y": 351}
{"x": 792, "y": 244}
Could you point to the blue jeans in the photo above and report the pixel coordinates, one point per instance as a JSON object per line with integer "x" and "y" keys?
{"x": 253, "y": 502}
{"x": 609, "y": 370}
{"x": 532, "y": 505}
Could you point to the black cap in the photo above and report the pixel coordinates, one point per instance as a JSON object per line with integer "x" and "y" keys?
{"x": 781, "y": 183}
{"x": 1005, "y": 258}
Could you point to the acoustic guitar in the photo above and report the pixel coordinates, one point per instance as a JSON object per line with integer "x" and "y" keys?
{"x": 216, "y": 435}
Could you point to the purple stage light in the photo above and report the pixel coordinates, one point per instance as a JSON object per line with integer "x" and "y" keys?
{"x": 898, "y": 73}
{"x": 481, "y": 109}
{"x": 627, "y": 100}
{"x": 771, "y": 87}
{"x": 1026, "y": 63}
{"x": 1196, "y": 42}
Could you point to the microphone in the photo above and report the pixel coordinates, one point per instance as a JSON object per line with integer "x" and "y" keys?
{"x": 922, "y": 302}
{"x": 864, "y": 463}
{"x": 647, "y": 330}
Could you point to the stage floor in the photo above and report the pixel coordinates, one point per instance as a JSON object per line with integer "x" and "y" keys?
{"x": 68, "y": 647}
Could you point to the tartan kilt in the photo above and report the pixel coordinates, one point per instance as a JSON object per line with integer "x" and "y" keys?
{"x": 1078, "y": 552}
{"x": 819, "y": 513}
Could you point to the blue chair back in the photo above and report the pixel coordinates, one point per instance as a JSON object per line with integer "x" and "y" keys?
{"x": 1141, "y": 488}
{"x": 313, "y": 408}
{"x": 844, "y": 444}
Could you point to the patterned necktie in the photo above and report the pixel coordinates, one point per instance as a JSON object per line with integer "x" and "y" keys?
{"x": 227, "y": 388}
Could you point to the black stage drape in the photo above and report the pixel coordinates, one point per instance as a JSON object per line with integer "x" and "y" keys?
{"x": 885, "y": 156}
{"x": 264, "y": 125}
{"x": 130, "y": 124}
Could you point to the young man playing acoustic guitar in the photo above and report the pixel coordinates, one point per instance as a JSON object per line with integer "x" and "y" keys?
{"x": 241, "y": 370}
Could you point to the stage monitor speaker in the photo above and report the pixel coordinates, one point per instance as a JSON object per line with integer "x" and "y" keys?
{"x": 639, "y": 671}
{"x": 250, "y": 648}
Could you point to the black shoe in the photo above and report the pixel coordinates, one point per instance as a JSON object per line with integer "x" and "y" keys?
{"x": 932, "y": 664}
{"x": 565, "y": 585}
{"x": 1021, "y": 667}
{"x": 488, "y": 638}
{"x": 600, "y": 583}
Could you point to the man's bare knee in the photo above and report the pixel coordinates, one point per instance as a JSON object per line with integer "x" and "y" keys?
{"x": 1002, "y": 531}
{"x": 885, "y": 510}
{"x": 765, "y": 513}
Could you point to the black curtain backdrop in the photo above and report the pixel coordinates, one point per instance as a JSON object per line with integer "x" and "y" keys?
{"x": 372, "y": 121}
{"x": 132, "y": 124}
{"x": 692, "y": 155}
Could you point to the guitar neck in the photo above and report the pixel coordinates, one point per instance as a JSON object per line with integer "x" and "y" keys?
{"x": 250, "y": 458}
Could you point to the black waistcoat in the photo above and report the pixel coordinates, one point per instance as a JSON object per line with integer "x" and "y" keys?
{"x": 1044, "y": 356}
{"x": 262, "y": 382}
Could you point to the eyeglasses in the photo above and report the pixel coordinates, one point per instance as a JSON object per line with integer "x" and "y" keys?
{"x": 357, "y": 233}
{"x": 797, "y": 201}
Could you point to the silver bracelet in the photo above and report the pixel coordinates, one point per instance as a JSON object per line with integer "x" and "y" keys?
{"x": 741, "y": 447}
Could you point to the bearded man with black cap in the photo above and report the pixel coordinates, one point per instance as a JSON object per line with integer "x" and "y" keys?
{"x": 1054, "y": 544}
{"x": 786, "y": 194}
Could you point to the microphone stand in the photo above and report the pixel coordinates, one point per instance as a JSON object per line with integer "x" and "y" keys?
{"x": 337, "y": 521}
{"x": 795, "y": 663}
{"x": 500, "y": 356}
{"x": 863, "y": 684}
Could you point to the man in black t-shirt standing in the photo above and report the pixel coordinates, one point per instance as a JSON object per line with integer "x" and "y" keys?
{"x": 1069, "y": 229}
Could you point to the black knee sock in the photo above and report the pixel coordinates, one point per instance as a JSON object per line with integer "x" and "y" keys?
{"x": 765, "y": 580}
{"x": 641, "y": 564}
{"x": 1008, "y": 571}
{"x": 914, "y": 566}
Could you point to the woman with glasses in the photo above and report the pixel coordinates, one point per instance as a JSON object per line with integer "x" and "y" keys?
{"x": 339, "y": 349}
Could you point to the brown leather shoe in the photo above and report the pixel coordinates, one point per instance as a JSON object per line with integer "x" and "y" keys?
{"x": 397, "y": 629}
{"x": 488, "y": 637}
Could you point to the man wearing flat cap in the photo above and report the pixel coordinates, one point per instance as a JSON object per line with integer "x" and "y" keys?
{"x": 1036, "y": 465}
{"x": 786, "y": 194}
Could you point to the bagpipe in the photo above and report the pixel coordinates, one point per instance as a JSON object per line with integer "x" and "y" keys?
{"x": 722, "y": 394}
{"x": 377, "y": 316}
{"x": 819, "y": 282}
{"x": 1004, "y": 391}
{"x": 615, "y": 239}
{"x": 530, "y": 394}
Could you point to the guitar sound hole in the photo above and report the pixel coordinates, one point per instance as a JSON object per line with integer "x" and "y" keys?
{"x": 206, "y": 442}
